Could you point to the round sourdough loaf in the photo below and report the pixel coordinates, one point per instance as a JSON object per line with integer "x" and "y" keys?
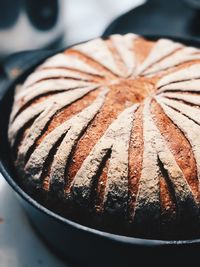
{"x": 107, "y": 133}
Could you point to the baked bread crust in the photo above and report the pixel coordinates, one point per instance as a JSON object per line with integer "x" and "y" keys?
{"x": 109, "y": 129}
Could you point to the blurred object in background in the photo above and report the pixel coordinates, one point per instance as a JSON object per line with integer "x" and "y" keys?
{"x": 193, "y": 3}
{"x": 172, "y": 18}
{"x": 30, "y": 24}
{"x": 88, "y": 19}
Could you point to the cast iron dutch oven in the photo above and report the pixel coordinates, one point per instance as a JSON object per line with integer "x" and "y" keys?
{"x": 80, "y": 245}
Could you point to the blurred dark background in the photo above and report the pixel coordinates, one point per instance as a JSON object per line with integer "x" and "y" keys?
{"x": 31, "y": 24}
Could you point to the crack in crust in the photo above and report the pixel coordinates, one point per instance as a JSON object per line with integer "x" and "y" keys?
{"x": 163, "y": 85}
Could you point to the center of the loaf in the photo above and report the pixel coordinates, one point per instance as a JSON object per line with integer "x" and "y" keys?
{"x": 134, "y": 90}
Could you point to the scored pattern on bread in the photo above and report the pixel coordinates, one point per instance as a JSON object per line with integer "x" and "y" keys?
{"x": 45, "y": 110}
{"x": 72, "y": 128}
{"x": 76, "y": 116}
{"x": 155, "y": 148}
{"x": 188, "y": 127}
{"x": 115, "y": 139}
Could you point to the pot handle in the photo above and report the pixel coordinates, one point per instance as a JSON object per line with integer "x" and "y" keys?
{"x": 14, "y": 65}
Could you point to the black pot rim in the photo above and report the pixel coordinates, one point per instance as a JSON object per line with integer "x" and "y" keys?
{"x": 63, "y": 220}
{"x": 110, "y": 236}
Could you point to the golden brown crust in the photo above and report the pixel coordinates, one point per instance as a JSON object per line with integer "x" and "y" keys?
{"x": 179, "y": 146}
{"x": 135, "y": 160}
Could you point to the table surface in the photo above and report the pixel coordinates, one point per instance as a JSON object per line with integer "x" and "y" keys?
{"x": 19, "y": 245}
